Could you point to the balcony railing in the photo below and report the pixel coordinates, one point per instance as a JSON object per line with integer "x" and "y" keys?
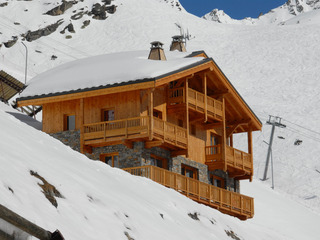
{"x": 228, "y": 202}
{"x": 138, "y": 127}
{"x": 236, "y": 159}
{"x": 196, "y": 101}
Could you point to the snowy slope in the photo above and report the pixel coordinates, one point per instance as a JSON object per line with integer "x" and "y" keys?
{"x": 280, "y": 15}
{"x": 100, "y": 202}
{"x": 274, "y": 67}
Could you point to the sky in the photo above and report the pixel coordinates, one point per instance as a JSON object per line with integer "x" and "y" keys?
{"x": 237, "y": 9}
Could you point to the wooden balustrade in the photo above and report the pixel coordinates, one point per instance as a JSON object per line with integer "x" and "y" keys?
{"x": 196, "y": 101}
{"x": 235, "y": 158}
{"x": 232, "y": 203}
{"x": 136, "y": 128}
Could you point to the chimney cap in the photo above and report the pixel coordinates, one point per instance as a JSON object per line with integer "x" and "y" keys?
{"x": 156, "y": 44}
{"x": 177, "y": 38}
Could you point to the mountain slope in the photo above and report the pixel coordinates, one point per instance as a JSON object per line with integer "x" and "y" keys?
{"x": 100, "y": 202}
{"x": 279, "y": 15}
{"x": 275, "y": 68}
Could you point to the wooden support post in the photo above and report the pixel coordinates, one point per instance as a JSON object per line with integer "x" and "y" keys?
{"x": 231, "y": 140}
{"x": 250, "y": 151}
{"x": 187, "y": 114}
{"x": 205, "y": 97}
{"x": 81, "y": 118}
{"x": 224, "y": 135}
{"x": 150, "y": 95}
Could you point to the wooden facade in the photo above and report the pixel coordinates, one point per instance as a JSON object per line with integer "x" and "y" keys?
{"x": 192, "y": 113}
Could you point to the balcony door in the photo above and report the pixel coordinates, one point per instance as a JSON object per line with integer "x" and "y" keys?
{"x": 112, "y": 159}
{"x": 214, "y": 141}
{"x": 107, "y": 115}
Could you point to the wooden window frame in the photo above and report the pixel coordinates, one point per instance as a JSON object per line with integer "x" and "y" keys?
{"x": 193, "y": 169}
{"x": 104, "y": 155}
{"x": 65, "y": 121}
{"x": 107, "y": 109}
{"x": 163, "y": 160}
{"x": 223, "y": 182}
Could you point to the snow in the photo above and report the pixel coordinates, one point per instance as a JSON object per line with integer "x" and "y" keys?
{"x": 100, "y": 202}
{"x": 274, "y": 67}
{"x": 105, "y": 70}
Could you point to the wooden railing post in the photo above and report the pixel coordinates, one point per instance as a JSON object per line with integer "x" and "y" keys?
{"x": 104, "y": 131}
{"x": 126, "y": 131}
{"x": 187, "y": 186}
{"x": 220, "y": 196}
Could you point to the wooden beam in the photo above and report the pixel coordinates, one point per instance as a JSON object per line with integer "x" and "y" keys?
{"x": 187, "y": 113}
{"x": 224, "y": 139}
{"x": 213, "y": 125}
{"x": 151, "y": 112}
{"x": 182, "y": 74}
{"x": 178, "y": 152}
{"x": 128, "y": 144}
{"x": 81, "y": 119}
{"x": 89, "y": 93}
{"x": 205, "y": 97}
{"x": 250, "y": 151}
{"x": 151, "y": 144}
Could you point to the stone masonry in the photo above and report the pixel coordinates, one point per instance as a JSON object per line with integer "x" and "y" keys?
{"x": 141, "y": 156}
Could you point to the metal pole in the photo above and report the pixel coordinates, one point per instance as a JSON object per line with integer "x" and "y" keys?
{"x": 26, "y": 67}
{"x": 272, "y": 170}
{"x": 269, "y": 152}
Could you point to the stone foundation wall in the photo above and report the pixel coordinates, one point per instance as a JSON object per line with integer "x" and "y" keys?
{"x": 202, "y": 168}
{"x": 140, "y": 156}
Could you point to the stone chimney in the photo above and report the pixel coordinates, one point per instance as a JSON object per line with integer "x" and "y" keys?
{"x": 157, "y": 52}
{"x": 177, "y": 44}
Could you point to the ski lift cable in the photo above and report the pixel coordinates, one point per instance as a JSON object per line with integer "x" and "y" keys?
{"x": 302, "y": 127}
{"x": 303, "y": 134}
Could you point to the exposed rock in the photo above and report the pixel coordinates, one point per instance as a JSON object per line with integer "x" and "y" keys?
{"x": 60, "y": 9}
{"x": 128, "y": 236}
{"x": 4, "y": 4}
{"x": 85, "y": 24}
{"x": 194, "y": 216}
{"x": 31, "y": 36}
{"x": 78, "y": 15}
{"x": 68, "y": 36}
{"x": 10, "y": 43}
{"x": 106, "y": 2}
{"x": 232, "y": 235}
{"x": 111, "y": 9}
{"x": 69, "y": 27}
{"x": 54, "y": 57}
{"x": 99, "y": 11}
{"x": 48, "y": 190}
{"x": 16, "y": 23}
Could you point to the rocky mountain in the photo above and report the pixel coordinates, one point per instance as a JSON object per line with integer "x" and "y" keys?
{"x": 285, "y": 14}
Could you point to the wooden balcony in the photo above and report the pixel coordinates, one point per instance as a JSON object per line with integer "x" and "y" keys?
{"x": 225, "y": 201}
{"x": 238, "y": 163}
{"x": 196, "y": 102}
{"x": 139, "y": 129}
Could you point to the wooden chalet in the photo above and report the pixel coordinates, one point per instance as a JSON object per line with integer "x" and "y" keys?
{"x": 170, "y": 118}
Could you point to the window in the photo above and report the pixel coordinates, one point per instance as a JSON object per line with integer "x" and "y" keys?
{"x": 157, "y": 113}
{"x": 112, "y": 159}
{"x": 69, "y": 122}
{"x": 188, "y": 171}
{"x": 217, "y": 181}
{"x": 159, "y": 161}
{"x": 107, "y": 115}
{"x": 193, "y": 130}
{"x": 180, "y": 122}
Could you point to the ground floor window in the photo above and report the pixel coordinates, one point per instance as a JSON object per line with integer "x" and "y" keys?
{"x": 217, "y": 181}
{"x": 188, "y": 171}
{"x": 111, "y": 159}
{"x": 69, "y": 122}
{"x": 159, "y": 161}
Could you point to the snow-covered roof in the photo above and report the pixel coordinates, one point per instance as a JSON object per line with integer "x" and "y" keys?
{"x": 106, "y": 70}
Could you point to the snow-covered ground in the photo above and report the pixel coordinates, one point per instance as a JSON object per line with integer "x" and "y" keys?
{"x": 100, "y": 202}
{"x": 274, "y": 67}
